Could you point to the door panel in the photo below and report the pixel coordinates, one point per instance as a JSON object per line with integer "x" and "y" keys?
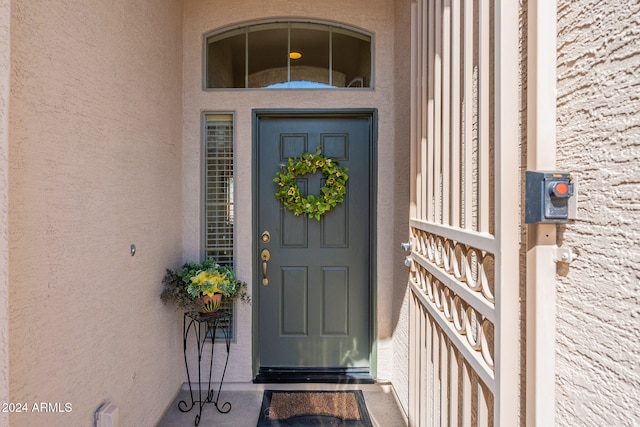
{"x": 315, "y": 310}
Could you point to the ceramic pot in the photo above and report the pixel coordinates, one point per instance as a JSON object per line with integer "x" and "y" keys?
{"x": 210, "y": 304}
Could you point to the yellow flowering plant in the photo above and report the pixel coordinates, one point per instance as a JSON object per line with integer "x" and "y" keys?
{"x": 188, "y": 284}
{"x": 206, "y": 283}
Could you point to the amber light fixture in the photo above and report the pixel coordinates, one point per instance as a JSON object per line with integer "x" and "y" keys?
{"x": 295, "y": 55}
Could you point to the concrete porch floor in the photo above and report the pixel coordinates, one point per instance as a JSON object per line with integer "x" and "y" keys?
{"x": 246, "y": 400}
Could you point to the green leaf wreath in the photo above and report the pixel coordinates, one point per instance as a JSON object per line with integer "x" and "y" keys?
{"x": 312, "y": 206}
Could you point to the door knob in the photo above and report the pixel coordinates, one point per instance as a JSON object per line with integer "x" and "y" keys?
{"x": 265, "y": 255}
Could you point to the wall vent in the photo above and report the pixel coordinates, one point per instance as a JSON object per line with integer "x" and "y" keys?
{"x": 107, "y": 415}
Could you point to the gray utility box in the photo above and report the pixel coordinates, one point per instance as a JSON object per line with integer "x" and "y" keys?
{"x": 548, "y": 196}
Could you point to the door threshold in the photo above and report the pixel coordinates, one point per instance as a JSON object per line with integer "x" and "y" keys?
{"x": 326, "y": 376}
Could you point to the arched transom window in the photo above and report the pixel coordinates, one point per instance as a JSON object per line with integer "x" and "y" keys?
{"x": 288, "y": 55}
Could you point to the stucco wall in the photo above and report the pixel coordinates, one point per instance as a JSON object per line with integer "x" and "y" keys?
{"x": 5, "y": 17}
{"x": 598, "y": 312}
{"x": 203, "y": 16}
{"x": 95, "y": 166}
{"x": 400, "y": 311}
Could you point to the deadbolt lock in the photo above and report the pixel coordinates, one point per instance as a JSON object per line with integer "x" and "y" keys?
{"x": 265, "y": 237}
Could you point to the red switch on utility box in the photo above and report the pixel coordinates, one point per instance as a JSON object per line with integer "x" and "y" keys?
{"x": 560, "y": 189}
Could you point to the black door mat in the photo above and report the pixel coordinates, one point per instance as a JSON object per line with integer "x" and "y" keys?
{"x": 313, "y": 408}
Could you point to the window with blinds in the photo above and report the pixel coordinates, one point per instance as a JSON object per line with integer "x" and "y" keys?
{"x": 218, "y": 193}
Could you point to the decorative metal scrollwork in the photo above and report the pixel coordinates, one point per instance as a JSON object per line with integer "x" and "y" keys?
{"x": 471, "y": 268}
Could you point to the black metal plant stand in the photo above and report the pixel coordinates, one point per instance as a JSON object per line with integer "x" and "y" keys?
{"x": 204, "y": 328}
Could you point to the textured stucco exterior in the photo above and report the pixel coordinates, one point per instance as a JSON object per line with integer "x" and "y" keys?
{"x": 95, "y": 131}
{"x": 376, "y": 17}
{"x": 5, "y": 17}
{"x": 402, "y": 95}
{"x": 522, "y": 89}
{"x": 598, "y": 138}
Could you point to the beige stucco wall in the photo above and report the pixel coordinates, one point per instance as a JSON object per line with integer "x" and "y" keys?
{"x": 374, "y": 16}
{"x": 402, "y": 97}
{"x": 95, "y": 131}
{"x": 5, "y": 18}
{"x": 598, "y": 312}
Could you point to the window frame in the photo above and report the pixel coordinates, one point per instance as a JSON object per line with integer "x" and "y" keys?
{"x": 241, "y": 27}
{"x": 203, "y": 204}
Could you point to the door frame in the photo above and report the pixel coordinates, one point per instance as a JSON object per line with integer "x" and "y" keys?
{"x": 372, "y": 115}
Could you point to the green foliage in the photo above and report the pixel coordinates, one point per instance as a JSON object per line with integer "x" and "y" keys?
{"x": 186, "y": 285}
{"x": 313, "y": 206}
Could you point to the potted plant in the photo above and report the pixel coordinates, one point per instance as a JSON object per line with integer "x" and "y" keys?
{"x": 200, "y": 287}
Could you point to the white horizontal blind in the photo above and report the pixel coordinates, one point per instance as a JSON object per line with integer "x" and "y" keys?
{"x": 219, "y": 211}
{"x": 219, "y": 194}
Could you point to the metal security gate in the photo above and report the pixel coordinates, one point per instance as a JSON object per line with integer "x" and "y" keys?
{"x": 464, "y": 309}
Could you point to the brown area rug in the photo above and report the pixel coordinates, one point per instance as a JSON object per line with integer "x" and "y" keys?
{"x": 313, "y": 408}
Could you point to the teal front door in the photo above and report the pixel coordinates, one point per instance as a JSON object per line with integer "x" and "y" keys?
{"x": 314, "y": 284}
